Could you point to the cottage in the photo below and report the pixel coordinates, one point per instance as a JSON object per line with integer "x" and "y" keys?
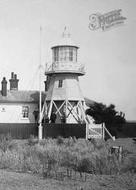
{"x": 17, "y": 106}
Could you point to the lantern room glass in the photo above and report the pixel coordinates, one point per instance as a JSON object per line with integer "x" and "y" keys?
{"x": 65, "y": 54}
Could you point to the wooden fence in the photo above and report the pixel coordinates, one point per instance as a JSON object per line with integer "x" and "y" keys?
{"x": 64, "y": 130}
{"x": 127, "y": 130}
{"x": 19, "y": 130}
{"x": 24, "y": 131}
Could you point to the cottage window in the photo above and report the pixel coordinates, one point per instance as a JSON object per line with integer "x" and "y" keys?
{"x": 60, "y": 84}
{"x": 25, "y": 111}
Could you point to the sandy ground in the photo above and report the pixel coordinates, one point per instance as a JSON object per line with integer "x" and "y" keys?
{"x": 21, "y": 181}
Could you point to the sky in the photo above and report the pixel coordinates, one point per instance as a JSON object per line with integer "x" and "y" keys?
{"x": 109, "y": 56}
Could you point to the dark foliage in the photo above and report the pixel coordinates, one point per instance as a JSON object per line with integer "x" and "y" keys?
{"x": 106, "y": 114}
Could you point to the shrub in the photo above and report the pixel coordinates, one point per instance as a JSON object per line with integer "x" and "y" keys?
{"x": 49, "y": 158}
{"x": 60, "y": 140}
{"x": 84, "y": 166}
{"x": 107, "y": 165}
{"x": 129, "y": 164}
{"x": 68, "y": 160}
{"x": 32, "y": 140}
{"x": 5, "y": 142}
{"x": 70, "y": 141}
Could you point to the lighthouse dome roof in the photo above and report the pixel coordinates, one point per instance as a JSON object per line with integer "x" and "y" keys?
{"x": 65, "y": 40}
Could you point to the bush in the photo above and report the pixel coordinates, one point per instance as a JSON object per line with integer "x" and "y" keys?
{"x": 5, "y": 142}
{"x": 32, "y": 140}
{"x": 129, "y": 164}
{"x": 85, "y": 166}
{"x": 60, "y": 140}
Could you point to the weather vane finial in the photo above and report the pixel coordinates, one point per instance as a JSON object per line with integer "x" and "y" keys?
{"x": 65, "y": 33}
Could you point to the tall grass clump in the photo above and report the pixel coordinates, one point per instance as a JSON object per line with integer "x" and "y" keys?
{"x": 5, "y": 142}
{"x": 69, "y": 157}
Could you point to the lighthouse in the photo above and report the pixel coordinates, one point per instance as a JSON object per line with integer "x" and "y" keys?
{"x": 64, "y": 99}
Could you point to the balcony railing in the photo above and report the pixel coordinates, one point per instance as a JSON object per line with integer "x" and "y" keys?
{"x": 65, "y": 67}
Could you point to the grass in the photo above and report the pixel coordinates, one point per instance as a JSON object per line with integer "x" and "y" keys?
{"x": 68, "y": 163}
{"x": 66, "y": 156}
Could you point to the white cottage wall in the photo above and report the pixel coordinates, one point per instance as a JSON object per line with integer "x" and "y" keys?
{"x": 12, "y": 112}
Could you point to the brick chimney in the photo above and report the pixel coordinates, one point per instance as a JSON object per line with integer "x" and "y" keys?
{"x": 4, "y": 87}
{"x": 13, "y": 82}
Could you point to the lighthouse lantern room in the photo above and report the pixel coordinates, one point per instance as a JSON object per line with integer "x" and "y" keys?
{"x": 64, "y": 100}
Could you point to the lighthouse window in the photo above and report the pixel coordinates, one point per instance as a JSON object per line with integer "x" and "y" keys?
{"x": 65, "y": 54}
{"x": 25, "y": 111}
{"x": 60, "y": 84}
{"x": 56, "y": 54}
{"x": 71, "y": 55}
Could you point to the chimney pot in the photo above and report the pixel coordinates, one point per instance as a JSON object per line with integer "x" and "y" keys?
{"x": 13, "y": 82}
{"x": 4, "y": 87}
{"x": 12, "y": 75}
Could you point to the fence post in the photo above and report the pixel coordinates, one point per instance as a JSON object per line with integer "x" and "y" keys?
{"x": 86, "y": 136}
{"x": 103, "y": 131}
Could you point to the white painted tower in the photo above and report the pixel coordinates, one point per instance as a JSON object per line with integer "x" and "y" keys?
{"x": 64, "y": 96}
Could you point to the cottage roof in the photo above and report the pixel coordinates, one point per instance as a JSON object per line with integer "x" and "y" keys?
{"x": 88, "y": 102}
{"x": 28, "y": 96}
{"x": 21, "y": 96}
